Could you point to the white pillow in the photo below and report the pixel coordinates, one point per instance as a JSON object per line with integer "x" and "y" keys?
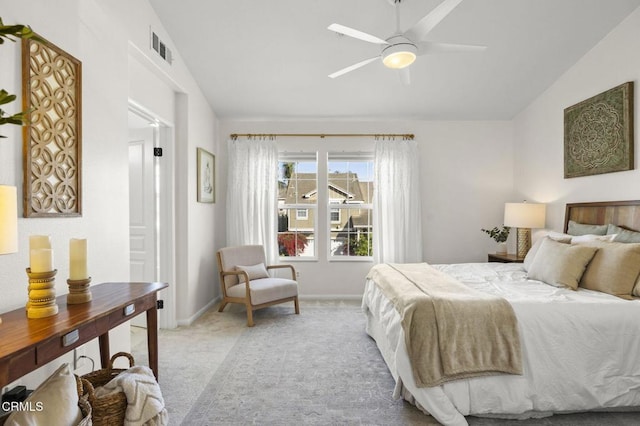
{"x": 559, "y": 264}
{"x": 54, "y": 402}
{"x": 254, "y": 271}
{"x": 586, "y": 238}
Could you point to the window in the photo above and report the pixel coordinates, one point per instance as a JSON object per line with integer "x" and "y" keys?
{"x": 335, "y": 195}
{"x": 297, "y": 205}
{"x": 350, "y": 185}
{"x": 335, "y": 215}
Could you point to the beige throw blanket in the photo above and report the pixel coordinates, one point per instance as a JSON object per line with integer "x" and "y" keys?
{"x": 145, "y": 405}
{"x": 451, "y": 331}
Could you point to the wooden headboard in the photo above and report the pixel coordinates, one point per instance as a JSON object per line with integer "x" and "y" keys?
{"x": 622, "y": 213}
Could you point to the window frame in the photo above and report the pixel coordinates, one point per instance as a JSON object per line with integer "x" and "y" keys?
{"x": 355, "y": 157}
{"x": 310, "y": 156}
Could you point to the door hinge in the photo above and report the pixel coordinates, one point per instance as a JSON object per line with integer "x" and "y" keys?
{"x": 157, "y": 152}
{"x": 160, "y": 304}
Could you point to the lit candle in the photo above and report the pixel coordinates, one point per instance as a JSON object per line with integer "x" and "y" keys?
{"x": 39, "y": 242}
{"x": 78, "y": 259}
{"x": 41, "y": 260}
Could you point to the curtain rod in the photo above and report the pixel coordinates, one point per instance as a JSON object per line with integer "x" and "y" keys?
{"x": 408, "y": 136}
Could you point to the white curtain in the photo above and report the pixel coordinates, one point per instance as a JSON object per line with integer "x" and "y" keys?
{"x": 397, "y": 235}
{"x": 252, "y": 194}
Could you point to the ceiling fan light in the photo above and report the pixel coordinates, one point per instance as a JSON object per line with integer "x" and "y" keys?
{"x": 399, "y": 60}
{"x": 399, "y": 55}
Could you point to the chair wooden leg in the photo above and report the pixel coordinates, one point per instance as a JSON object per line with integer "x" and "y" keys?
{"x": 222, "y": 305}
{"x": 249, "y": 316}
{"x": 297, "y": 305}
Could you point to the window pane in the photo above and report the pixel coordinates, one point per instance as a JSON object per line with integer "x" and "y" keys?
{"x": 297, "y": 201}
{"x": 353, "y": 236}
{"x": 295, "y": 243}
{"x": 297, "y": 182}
{"x": 350, "y": 182}
{"x": 296, "y": 235}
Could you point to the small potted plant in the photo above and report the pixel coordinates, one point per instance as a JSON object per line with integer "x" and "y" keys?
{"x": 500, "y": 236}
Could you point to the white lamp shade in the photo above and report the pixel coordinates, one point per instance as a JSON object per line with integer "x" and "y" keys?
{"x": 524, "y": 215}
{"x": 8, "y": 219}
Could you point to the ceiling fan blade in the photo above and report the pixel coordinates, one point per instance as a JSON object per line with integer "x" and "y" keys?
{"x": 341, "y": 29}
{"x": 405, "y": 76}
{"x": 353, "y": 67}
{"x": 426, "y": 47}
{"x": 433, "y": 18}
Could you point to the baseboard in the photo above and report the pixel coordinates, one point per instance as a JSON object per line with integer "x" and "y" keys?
{"x": 192, "y": 318}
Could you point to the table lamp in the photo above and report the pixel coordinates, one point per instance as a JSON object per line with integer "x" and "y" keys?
{"x": 8, "y": 220}
{"x": 524, "y": 216}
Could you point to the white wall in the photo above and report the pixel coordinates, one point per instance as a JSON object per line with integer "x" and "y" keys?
{"x": 539, "y": 141}
{"x": 467, "y": 175}
{"x": 81, "y": 30}
{"x": 195, "y": 126}
{"x": 102, "y": 34}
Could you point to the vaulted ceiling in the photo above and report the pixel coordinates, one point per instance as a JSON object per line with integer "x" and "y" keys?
{"x": 269, "y": 60}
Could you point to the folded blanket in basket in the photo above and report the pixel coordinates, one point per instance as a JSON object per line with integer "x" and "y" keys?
{"x": 145, "y": 405}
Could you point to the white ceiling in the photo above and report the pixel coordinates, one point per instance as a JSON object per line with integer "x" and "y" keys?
{"x": 269, "y": 60}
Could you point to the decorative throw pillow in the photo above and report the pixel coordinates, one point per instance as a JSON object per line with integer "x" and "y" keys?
{"x": 576, "y": 228}
{"x": 623, "y": 235}
{"x": 254, "y": 271}
{"x": 578, "y": 239}
{"x": 54, "y": 402}
{"x": 531, "y": 254}
{"x": 614, "y": 269}
{"x": 559, "y": 264}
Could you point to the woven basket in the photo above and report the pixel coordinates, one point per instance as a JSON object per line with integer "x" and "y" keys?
{"x": 83, "y": 386}
{"x": 109, "y": 409}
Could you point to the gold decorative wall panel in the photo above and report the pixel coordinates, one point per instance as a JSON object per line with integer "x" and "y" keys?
{"x": 51, "y": 93}
{"x": 598, "y": 133}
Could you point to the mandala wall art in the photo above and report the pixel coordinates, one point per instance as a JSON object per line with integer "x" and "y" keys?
{"x": 52, "y": 139}
{"x": 598, "y": 133}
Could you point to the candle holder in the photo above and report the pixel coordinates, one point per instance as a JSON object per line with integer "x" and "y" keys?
{"x": 42, "y": 294}
{"x": 78, "y": 291}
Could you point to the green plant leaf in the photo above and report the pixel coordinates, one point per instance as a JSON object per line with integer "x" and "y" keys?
{"x": 5, "y": 97}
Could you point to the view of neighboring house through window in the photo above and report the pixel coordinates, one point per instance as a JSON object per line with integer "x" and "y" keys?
{"x": 350, "y": 197}
{"x": 347, "y": 221}
{"x": 297, "y": 204}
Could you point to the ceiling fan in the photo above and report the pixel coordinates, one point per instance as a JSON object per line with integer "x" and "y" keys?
{"x": 401, "y": 49}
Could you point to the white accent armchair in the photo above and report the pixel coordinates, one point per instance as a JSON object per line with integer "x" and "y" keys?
{"x": 245, "y": 279}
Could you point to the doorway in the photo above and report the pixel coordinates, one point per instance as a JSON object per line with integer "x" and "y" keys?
{"x": 151, "y": 219}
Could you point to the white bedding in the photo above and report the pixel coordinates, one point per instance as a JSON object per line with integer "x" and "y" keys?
{"x": 580, "y": 350}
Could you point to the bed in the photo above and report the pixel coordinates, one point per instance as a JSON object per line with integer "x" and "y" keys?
{"x": 578, "y": 348}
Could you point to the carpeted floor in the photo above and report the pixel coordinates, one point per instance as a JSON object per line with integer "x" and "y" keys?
{"x": 318, "y": 368}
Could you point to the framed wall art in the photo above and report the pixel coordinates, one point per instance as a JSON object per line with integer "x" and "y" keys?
{"x": 598, "y": 133}
{"x": 206, "y": 176}
{"x": 52, "y": 137}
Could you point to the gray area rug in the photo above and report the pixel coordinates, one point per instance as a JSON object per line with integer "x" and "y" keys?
{"x": 317, "y": 368}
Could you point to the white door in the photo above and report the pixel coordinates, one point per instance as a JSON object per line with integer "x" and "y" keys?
{"x": 142, "y": 209}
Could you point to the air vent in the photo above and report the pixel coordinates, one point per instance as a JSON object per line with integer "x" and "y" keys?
{"x": 160, "y": 47}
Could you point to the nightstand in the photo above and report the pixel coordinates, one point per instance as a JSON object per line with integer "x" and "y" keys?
{"x": 504, "y": 258}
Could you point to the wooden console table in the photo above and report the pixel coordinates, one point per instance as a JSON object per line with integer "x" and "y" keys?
{"x": 27, "y": 344}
